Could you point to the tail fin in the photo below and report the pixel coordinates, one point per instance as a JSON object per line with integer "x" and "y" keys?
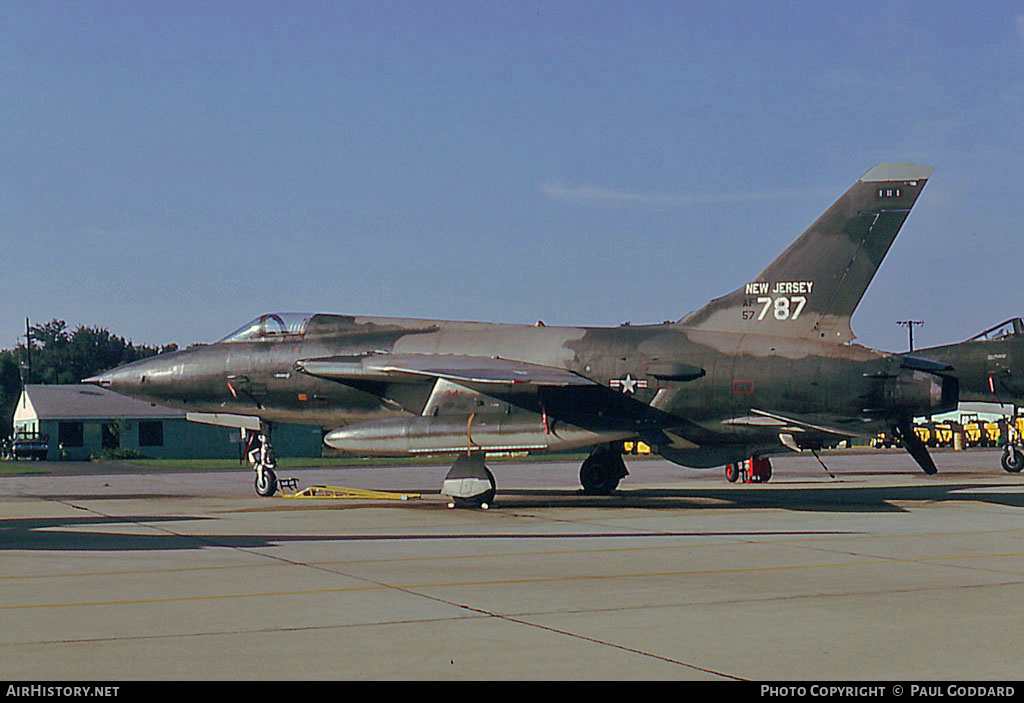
{"x": 812, "y": 288}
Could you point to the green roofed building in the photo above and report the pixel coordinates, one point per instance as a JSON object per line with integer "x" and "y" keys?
{"x": 80, "y": 421}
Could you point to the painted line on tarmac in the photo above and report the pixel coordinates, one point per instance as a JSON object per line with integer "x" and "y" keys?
{"x": 372, "y": 585}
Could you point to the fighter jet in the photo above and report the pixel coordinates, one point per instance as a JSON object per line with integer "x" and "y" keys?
{"x": 768, "y": 368}
{"x": 990, "y": 369}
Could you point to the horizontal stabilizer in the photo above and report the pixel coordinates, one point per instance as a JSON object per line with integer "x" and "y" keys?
{"x": 916, "y": 363}
{"x": 800, "y": 423}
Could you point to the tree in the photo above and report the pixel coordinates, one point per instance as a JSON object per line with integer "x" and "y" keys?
{"x": 60, "y": 356}
{"x": 10, "y": 389}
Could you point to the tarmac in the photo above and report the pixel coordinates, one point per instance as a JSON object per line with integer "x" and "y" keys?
{"x": 880, "y": 573}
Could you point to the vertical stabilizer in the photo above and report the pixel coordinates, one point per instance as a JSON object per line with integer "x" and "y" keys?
{"x": 813, "y": 287}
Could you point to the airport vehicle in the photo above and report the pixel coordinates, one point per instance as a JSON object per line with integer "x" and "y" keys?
{"x": 637, "y": 448}
{"x": 885, "y": 440}
{"x": 937, "y": 434}
{"x": 974, "y": 431}
{"x": 767, "y": 368}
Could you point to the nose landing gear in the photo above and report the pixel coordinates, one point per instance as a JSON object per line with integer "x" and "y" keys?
{"x": 260, "y": 454}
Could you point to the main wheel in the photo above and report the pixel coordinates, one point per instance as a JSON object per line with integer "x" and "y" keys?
{"x": 598, "y": 478}
{"x": 266, "y": 483}
{"x": 732, "y": 473}
{"x": 1012, "y": 462}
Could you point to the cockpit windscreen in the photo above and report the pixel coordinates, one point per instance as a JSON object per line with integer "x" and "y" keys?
{"x": 285, "y": 325}
{"x": 1003, "y": 330}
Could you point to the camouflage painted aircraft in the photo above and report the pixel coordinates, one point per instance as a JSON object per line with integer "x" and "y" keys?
{"x": 767, "y": 368}
{"x": 990, "y": 368}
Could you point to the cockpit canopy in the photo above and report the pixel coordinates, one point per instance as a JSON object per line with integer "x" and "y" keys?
{"x": 273, "y": 326}
{"x": 1009, "y": 328}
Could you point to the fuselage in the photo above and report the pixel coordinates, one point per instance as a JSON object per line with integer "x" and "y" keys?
{"x": 747, "y": 387}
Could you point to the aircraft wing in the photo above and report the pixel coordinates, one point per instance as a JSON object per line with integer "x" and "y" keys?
{"x": 396, "y": 368}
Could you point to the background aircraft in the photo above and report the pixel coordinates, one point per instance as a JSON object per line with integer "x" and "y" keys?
{"x": 990, "y": 369}
{"x": 769, "y": 367}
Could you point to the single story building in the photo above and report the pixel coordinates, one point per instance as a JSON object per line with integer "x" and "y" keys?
{"x": 80, "y": 421}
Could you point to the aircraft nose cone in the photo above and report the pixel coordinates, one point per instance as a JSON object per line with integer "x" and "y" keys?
{"x": 100, "y": 379}
{"x": 135, "y": 378}
{"x": 116, "y": 379}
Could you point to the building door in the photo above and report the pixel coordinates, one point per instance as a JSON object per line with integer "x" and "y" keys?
{"x": 111, "y": 436}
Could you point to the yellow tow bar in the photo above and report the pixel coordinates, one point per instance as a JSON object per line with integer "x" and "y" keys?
{"x": 339, "y": 492}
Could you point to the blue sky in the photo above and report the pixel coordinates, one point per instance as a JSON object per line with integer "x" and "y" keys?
{"x": 173, "y": 169}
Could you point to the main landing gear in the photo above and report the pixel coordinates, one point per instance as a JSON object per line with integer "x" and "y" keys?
{"x": 469, "y": 483}
{"x": 603, "y": 469}
{"x": 752, "y": 470}
{"x": 260, "y": 453}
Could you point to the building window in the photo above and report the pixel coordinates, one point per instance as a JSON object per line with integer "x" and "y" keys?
{"x": 151, "y": 433}
{"x": 69, "y": 434}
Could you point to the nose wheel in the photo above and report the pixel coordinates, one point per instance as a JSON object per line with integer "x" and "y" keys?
{"x": 1012, "y": 459}
{"x": 266, "y": 482}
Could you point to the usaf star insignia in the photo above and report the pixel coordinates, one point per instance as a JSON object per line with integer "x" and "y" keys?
{"x": 628, "y": 384}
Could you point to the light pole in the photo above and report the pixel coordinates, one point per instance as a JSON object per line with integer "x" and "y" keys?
{"x": 910, "y": 325}
{"x": 25, "y": 363}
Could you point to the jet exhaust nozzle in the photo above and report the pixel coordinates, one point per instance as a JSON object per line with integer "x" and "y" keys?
{"x": 925, "y": 392}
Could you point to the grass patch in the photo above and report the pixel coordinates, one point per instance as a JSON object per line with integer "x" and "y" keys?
{"x": 15, "y": 468}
